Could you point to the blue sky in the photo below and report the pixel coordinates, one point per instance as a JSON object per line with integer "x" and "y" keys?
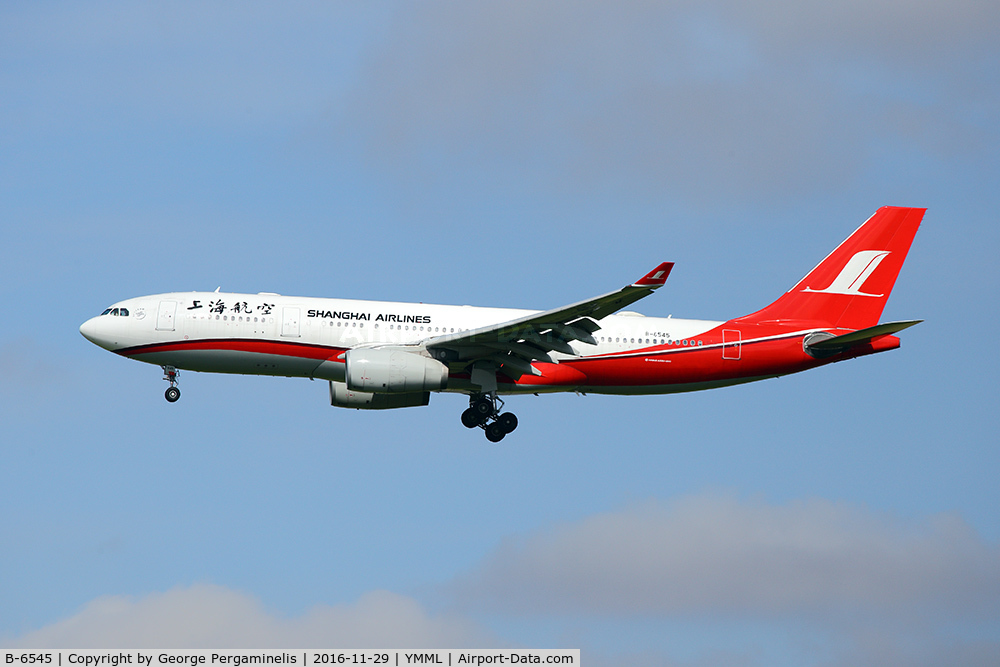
{"x": 521, "y": 155}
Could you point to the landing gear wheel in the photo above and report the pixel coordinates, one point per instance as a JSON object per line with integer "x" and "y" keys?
{"x": 495, "y": 432}
{"x": 484, "y": 412}
{"x": 484, "y": 408}
{"x": 170, "y": 375}
{"x": 471, "y": 418}
{"x": 507, "y": 421}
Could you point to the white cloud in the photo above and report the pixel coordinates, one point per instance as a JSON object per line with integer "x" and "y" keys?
{"x": 711, "y": 555}
{"x": 808, "y": 582}
{"x": 208, "y": 616}
{"x": 912, "y": 34}
{"x": 826, "y": 583}
{"x": 706, "y": 100}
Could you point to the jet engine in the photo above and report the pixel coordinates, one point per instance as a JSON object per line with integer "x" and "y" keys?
{"x": 388, "y": 370}
{"x": 342, "y": 397}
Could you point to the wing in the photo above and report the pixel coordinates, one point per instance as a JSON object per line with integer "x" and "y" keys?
{"x": 514, "y": 344}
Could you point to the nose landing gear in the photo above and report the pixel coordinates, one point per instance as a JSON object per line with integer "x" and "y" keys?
{"x": 172, "y": 393}
{"x": 484, "y": 412}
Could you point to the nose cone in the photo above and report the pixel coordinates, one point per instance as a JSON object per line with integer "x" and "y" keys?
{"x": 92, "y": 331}
{"x": 89, "y": 329}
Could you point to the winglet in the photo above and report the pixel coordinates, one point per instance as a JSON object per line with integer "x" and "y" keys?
{"x": 656, "y": 277}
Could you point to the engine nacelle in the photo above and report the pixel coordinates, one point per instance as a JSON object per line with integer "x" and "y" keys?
{"x": 342, "y": 397}
{"x": 387, "y": 370}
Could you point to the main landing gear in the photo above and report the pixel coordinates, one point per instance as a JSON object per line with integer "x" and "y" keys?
{"x": 172, "y": 393}
{"x": 484, "y": 412}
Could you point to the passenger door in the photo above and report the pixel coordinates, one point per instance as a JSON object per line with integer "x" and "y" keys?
{"x": 165, "y": 316}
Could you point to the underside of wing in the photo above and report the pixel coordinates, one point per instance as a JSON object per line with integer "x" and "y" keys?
{"x": 512, "y": 346}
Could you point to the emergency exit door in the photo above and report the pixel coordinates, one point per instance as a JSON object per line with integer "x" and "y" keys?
{"x": 731, "y": 344}
{"x": 290, "y": 322}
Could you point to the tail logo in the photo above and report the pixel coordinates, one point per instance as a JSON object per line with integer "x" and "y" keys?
{"x": 854, "y": 274}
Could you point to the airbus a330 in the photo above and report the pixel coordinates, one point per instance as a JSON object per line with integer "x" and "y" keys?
{"x": 380, "y": 355}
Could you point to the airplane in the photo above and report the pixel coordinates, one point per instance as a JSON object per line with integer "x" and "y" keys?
{"x": 382, "y": 355}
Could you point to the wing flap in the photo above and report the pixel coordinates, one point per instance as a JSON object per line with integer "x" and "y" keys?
{"x": 516, "y": 366}
{"x": 523, "y": 350}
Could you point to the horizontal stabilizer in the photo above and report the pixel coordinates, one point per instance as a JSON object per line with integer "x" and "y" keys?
{"x": 837, "y": 343}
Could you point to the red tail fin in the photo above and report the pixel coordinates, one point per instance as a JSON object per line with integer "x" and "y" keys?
{"x": 850, "y": 287}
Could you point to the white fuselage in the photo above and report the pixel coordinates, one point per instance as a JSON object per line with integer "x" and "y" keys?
{"x": 270, "y": 334}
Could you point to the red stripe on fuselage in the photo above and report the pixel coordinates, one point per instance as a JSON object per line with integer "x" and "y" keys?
{"x": 770, "y": 354}
{"x": 282, "y": 348}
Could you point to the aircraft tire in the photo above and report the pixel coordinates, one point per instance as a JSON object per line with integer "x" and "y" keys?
{"x": 471, "y": 418}
{"x": 507, "y": 421}
{"x": 495, "y": 432}
{"x": 483, "y": 408}
{"x": 172, "y": 394}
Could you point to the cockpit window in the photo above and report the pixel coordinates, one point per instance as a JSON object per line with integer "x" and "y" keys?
{"x": 123, "y": 312}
